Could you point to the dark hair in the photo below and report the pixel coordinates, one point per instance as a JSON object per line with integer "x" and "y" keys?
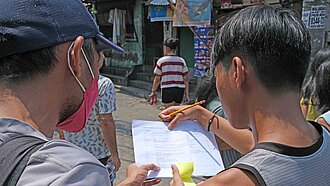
{"x": 322, "y": 88}
{"x": 171, "y": 43}
{"x": 309, "y": 85}
{"x": 19, "y": 67}
{"x": 207, "y": 91}
{"x": 273, "y": 41}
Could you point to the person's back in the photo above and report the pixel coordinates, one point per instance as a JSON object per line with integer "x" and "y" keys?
{"x": 279, "y": 164}
{"x": 172, "y": 71}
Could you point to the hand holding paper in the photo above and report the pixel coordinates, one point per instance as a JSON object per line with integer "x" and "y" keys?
{"x": 186, "y": 170}
{"x": 188, "y": 142}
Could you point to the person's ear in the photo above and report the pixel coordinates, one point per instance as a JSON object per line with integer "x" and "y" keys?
{"x": 239, "y": 71}
{"x": 75, "y": 55}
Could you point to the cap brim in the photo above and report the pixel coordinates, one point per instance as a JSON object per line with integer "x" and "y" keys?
{"x": 105, "y": 44}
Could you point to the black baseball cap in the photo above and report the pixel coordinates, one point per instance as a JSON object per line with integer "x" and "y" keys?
{"x": 27, "y": 25}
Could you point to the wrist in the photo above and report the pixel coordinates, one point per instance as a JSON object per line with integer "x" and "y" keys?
{"x": 126, "y": 182}
{"x": 198, "y": 113}
{"x": 203, "y": 116}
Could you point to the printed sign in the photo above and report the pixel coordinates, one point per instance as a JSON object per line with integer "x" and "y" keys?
{"x": 201, "y": 52}
{"x": 317, "y": 17}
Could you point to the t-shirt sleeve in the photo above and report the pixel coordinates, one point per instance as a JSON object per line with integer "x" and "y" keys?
{"x": 158, "y": 69}
{"x": 107, "y": 97}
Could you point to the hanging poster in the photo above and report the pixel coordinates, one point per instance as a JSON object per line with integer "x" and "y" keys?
{"x": 317, "y": 17}
{"x": 201, "y": 52}
{"x": 160, "y": 13}
{"x": 192, "y": 13}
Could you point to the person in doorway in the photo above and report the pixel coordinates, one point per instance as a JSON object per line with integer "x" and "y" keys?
{"x": 171, "y": 73}
{"x": 99, "y": 135}
{"x": 50, "y": 54}
{"x": 322, "y": 93}
{"x": 260, "y": 58}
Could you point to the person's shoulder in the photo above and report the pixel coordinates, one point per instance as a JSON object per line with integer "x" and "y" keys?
{"x": 66, "y": 154}
{"x": 105, "y": 81}
{"x": 233, "y": 176}
{"x": 181, "y": 58}
{"x": 59, "y": 162}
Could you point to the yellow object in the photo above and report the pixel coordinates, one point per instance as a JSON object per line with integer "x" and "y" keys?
{"x": 312, "y": 112}
{"x": 186, "y": 169}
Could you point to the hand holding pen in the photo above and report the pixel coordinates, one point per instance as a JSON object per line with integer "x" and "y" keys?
{"x": 176, "y": 114}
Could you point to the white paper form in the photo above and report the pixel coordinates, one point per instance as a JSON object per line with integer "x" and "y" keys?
{"x": 187, "y": 142}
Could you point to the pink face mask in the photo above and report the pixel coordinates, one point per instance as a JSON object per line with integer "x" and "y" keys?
{"x": 77, "y": 121}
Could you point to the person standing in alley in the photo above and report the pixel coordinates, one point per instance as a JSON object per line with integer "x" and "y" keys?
{"x": 171, "y": 73}
{"x": 99, "y": 135}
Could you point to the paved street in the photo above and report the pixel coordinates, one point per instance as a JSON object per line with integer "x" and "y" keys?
{"x": 129, "y": 108}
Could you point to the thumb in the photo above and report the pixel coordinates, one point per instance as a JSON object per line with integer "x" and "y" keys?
{"x": 176, "y": 174}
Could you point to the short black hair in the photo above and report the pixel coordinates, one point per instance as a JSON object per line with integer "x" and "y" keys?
{"x": 273, "y": 41}
{"x": 171, "y": 43}
{"x": 308, "y": 88}
{"x": 19, "y": 67}
{"x": 322, "y": 88}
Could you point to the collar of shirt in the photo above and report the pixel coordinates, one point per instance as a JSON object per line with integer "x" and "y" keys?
{"x": 10, "y": 128}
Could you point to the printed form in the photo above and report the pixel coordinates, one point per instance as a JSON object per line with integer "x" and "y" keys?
{"x": 187, "y": 142}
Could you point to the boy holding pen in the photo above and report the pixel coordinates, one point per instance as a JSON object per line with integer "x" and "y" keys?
{"x": 260, "y": 58}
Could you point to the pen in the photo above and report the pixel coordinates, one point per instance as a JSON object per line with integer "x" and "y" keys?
{"x": 187, "y": 107}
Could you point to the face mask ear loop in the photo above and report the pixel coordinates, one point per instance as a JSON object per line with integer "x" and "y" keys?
{"x": 89, "y": 66}
{"x": 68, "y": 59}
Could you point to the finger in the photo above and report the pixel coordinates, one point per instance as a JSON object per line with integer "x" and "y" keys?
{"x": 150, "y": 167}
{"x": 164, "y": 116}
{"x": 151, "y": 182}
{"x": 176, "y": 120}
{"x": 116, "y": 168}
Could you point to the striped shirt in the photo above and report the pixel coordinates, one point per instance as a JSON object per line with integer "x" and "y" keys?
{"x": 171, "y": 69}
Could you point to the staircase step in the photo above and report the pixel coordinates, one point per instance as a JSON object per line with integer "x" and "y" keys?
{"x": 115, "y": 71}
{"x": 143, "y": 76}
{"x": 141, "y": 84}
{"x": 118, "y": 80}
